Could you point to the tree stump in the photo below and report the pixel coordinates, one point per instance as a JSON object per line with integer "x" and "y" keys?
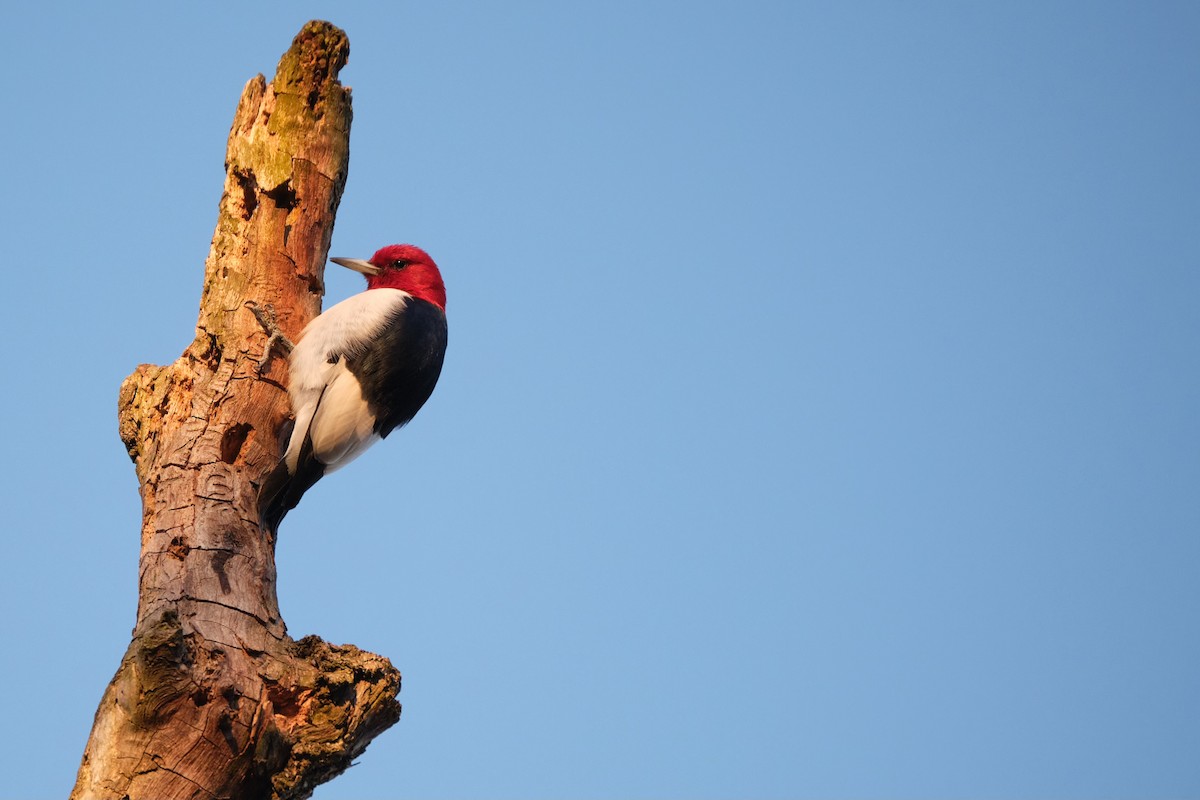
{"x": 213, "y": 699}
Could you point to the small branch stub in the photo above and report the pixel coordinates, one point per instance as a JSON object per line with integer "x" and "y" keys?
{"x": 213, "y": 699}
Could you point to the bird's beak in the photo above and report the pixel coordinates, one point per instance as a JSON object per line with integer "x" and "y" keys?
{"x": 358, "y": 265}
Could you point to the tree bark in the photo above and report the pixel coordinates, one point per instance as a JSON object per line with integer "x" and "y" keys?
{"x": 213, "y": 699}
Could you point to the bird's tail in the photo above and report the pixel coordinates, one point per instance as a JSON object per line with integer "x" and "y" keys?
{"x": 282, "y": 489}
{"x": 273, "y": 499}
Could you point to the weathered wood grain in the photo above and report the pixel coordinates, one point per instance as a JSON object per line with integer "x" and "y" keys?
{"x": 213, "y": 699}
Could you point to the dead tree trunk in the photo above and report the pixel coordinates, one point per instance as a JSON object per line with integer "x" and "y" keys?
{"x": 213, "y": 699}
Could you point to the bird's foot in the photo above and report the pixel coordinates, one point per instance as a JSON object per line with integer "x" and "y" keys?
{"x": 266, "y": 318}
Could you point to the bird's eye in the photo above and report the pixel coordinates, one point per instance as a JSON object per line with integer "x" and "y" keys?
{"x": 399, "y": 264}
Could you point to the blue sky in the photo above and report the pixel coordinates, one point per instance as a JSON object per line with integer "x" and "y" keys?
{"x": 820, "y": 416}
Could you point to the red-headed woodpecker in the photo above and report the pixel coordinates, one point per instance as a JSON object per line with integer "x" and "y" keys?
{"x": 359, "y": 371}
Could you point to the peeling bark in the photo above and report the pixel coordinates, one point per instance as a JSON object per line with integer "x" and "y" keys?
{"x": 213, "y": 699}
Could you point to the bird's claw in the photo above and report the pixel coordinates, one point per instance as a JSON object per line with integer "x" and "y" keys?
{"x": 266, "y": 318}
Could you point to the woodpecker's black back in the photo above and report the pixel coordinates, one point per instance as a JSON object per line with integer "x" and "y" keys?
{"x": 398, "y": 371}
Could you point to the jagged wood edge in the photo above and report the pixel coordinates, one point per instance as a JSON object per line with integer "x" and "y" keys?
{"x": 212, "y": 698}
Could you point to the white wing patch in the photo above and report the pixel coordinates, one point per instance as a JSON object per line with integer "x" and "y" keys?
{"x": 342, "y": 427}
{"x": 326, "y": 398}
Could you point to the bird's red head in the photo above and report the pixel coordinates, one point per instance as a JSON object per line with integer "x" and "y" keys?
{"x": 402, "y": 266}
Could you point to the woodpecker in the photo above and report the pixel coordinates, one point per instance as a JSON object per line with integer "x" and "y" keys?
{"x": 359, "y": 371}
